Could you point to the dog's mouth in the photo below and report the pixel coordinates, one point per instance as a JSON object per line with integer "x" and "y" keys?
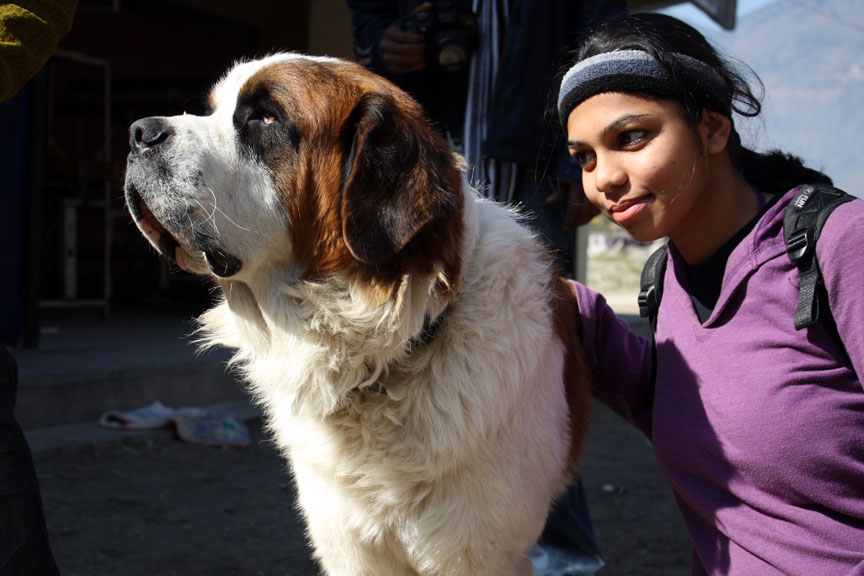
{"x": 220, "y": 262}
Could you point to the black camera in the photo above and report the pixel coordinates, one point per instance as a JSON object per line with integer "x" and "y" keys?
{"x": 449, "y": 29}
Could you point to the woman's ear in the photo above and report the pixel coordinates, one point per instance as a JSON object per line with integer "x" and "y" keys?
{"x": 715, "y": 129}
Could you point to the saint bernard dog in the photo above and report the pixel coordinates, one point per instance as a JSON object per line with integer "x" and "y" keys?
{"x": 413, "y": 350}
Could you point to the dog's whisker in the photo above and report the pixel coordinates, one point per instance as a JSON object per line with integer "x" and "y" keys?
{"x": 211, "y": 216}
{"x": 222, "y": 212}
{"x": 188, "y": 216}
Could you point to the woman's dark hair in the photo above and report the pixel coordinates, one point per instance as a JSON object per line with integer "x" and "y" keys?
{"x": 661, "y": 36}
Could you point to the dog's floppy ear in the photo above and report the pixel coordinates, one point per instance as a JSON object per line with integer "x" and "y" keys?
{"x": 395, "y": 178}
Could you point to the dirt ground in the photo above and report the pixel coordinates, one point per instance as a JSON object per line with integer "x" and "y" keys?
{"x": 153, "y": 505}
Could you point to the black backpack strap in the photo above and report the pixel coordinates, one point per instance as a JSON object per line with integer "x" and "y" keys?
{"x": 802, "y": 223}
{"x": 651, "y": 285}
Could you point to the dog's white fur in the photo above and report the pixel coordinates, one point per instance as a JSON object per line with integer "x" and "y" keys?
{"x": 431, "y": 458}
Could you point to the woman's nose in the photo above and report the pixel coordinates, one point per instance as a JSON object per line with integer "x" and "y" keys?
{"x": 608, "y": 174}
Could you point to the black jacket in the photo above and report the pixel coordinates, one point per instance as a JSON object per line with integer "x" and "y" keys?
{"x": 522, "y": 124}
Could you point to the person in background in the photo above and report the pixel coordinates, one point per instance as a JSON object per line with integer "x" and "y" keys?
{"x": 29, "y": 32}
{"x": 492, "y": 103}
{"x": 758, "y": 427}
{"x": 483, "y": 70}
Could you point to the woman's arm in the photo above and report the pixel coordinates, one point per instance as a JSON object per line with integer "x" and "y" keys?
{"x": 620, "y": 360}
{"x": 841, "y": 260}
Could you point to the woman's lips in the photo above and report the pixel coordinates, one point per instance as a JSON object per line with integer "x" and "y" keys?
{"x": 629, "y": 209}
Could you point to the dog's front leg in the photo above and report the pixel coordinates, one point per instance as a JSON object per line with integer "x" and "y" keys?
{"x": 345, "y": 535}
{"x": 343, "y": 552}
{"x": 524, "y": 567}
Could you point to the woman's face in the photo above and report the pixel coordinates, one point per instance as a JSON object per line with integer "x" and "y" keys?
{"x": 643, "y": 165}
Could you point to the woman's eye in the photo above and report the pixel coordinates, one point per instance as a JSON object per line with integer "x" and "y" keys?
{"x": 631, "y": 137}
{"x": 583, "y": 158}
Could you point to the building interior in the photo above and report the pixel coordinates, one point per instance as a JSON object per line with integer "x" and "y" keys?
{"x": 71, "y": 243}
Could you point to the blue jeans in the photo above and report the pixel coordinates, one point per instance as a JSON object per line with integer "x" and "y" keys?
{"x": 568, "y": 546}
{"x": 24, "y": 549}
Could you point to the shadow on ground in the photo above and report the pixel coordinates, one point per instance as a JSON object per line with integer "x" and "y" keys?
{"x": 150, "y": 504}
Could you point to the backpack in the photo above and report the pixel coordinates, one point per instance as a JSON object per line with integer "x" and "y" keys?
{"x": 802, "y": 223}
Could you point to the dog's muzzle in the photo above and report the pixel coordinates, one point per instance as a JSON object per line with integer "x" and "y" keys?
{"x": 146, "y": 137}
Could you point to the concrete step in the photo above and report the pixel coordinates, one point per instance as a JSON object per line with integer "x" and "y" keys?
{"x": 86, "y": 365}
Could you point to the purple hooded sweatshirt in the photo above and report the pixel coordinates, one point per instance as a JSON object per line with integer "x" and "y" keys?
{"x": 758, "y": 427}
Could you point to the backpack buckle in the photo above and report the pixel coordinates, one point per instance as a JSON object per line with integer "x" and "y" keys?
{"x": 647, "y": 302}
{"x": 799, "y": 244}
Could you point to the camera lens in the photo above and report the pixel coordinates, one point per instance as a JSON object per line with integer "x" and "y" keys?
{"x": 451, "y": 50}
{"x": 452, "y": 58}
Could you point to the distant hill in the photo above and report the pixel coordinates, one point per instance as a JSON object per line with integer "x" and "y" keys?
{"x": 810, "y": 56}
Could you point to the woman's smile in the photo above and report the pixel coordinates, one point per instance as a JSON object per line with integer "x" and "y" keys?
{"x": 625, "y": 210}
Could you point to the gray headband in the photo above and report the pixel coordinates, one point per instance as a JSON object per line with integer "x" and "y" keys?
{"x": 637, "y": 71}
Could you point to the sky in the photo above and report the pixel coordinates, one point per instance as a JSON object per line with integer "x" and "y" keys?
{"x": 809, "y": 54}
{"x": 696, "y": 17}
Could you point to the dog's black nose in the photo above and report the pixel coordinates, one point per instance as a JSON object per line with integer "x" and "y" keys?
{"x": 148, "y": 132}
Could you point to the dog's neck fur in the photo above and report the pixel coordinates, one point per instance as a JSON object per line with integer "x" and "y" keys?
{"x": 318, "y": 342}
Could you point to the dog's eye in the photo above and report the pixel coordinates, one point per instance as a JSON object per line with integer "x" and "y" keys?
{"x": 262, "y": 127}
{"x": 266, "y": 117}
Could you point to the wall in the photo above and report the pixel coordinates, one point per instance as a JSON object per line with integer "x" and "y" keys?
{"x": 330, "y": 28}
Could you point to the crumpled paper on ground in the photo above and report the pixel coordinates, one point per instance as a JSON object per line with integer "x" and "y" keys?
{"x": 191, "y": 424}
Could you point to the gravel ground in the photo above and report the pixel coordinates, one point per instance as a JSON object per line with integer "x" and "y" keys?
{"x": 152, "y": 505}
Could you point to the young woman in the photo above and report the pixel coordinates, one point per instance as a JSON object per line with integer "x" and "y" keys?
{"x": 758, "y": 427}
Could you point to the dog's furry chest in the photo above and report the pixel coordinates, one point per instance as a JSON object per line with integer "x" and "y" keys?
{"x": 336, "y": 397}
{"x": 403, "y": 449}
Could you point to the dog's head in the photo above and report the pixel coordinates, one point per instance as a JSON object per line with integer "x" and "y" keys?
{"x": 312, "y": 166}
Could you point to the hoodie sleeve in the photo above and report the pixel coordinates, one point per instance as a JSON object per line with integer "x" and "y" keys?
{"x": 620, "y": 361}
{"x": 841, "y": 260}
